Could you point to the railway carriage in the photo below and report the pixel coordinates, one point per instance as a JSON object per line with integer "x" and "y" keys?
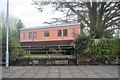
{"x": 51, "y": 36}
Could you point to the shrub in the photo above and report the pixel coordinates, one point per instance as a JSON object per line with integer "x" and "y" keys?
{"x": 15, "y": 52}
{"x": 82, "y": 45}
{"x": 106, "y": 47}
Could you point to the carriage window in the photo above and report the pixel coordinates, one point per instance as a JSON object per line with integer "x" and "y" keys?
{"x": 59, "y": 33}
{"x": 35, "y": 35}
{"x": 46, "y": 34}
{"x": 64, "y": 32}
{"x": 30, "y": 35}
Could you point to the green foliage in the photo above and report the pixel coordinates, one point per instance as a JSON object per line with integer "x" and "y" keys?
{"x": 19, "y": 25}
{"x": 119, "y": 48}
{"x": 90, "y": 47}
{"x": 104, "y": 47}
{"x": 82, "y": 45}
{"x": 93, "y": 47}
{"x": 13, "y": 40}
{"x": 16, "y": 51}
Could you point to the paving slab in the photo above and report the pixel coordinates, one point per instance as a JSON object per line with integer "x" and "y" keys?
{"x": 104, "y": 75}
{"x": 42, "y": 72}
{"x": 0, "y": 72}
{"x": 79, "y": 75}
{"x": 53, "y": 75}
{"x": 39, "y": 76}
{"x": 28, "y": 75}
{"x": 5, "y": 75}
{"x": 15, "y": 76}
{"x": 93, "y": 76}
{"x": 66, "y": 76}
{"x": 60, "y": 72}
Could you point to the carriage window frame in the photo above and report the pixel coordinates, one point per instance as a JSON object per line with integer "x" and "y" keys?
{"x": 46, "y": 34}
{"x": 35, "y": 35}
{"x": 59, "y": 32}
{"x": 30, "y": 35}
{"x": 65, "y": 32}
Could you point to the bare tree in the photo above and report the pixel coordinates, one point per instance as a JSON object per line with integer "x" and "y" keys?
{"x": 101, "y": 17}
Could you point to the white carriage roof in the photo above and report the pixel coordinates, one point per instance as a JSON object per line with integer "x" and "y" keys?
{"x": 50, "y": 26}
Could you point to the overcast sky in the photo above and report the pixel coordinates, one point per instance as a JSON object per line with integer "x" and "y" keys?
{"x": 24, "y": 10}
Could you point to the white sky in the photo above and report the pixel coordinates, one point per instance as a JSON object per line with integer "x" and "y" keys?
{"x": 24, "y": 10}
